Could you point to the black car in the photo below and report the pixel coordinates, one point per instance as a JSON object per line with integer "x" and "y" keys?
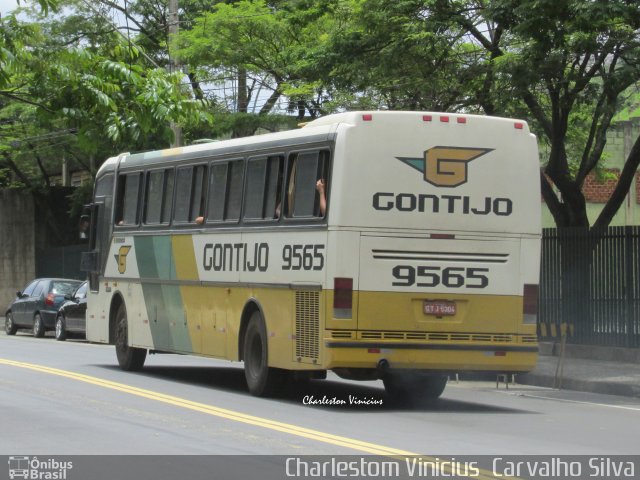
{"x": 71, "y": 316}
{"x": 36, "y": 307}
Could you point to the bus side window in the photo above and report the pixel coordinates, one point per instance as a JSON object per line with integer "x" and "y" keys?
{"x": 153, "y": 197}
{"x": 264, "y": 181}
{"x": 159, "y": 193}
{"x": 127, "y": 199}
{"x": 198, "y": 195}
{"x": 183, "y": 186}
{"x": 190, "y": 185}
{"x": 217, "y": 191}
{"x": 167, "y": 197}
{"x": 235, "y": 183}
{"x": 303, "y": 196}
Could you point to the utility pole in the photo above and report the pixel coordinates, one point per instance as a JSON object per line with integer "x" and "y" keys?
{"x": 173, "y": 64}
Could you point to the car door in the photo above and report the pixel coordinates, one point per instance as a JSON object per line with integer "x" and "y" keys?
{"x": 76, "y": 313}
{"x": 18, "y": 307}
{"x": 32, "y": 302}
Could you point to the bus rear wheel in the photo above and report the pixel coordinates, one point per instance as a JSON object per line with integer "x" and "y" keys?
{"x": 262, "y": 380}
{"x": 129, "y": 358}
{"x": 414, "y": 386}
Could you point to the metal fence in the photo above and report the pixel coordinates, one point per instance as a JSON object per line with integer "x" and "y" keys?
{"x": 61, "y": 262}
{"x": 590, "y": 286}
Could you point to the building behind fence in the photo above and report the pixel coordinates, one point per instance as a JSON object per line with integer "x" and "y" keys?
{"x": 590, "y": 286}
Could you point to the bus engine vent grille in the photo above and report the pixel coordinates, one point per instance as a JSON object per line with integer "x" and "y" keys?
{"x": 307, "y": 326}
{"x": 444, "y": 337}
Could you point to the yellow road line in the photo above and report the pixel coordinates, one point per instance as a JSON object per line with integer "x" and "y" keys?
{"x": 358, "y": 445}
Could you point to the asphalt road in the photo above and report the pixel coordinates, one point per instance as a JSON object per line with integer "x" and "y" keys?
{"x": 69, "y": 398}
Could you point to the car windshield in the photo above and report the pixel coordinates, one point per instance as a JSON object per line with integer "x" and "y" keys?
{"x": 63, "y": 288}
{"x": 82, "y": 291}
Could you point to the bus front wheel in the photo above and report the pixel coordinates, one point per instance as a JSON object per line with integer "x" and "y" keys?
{"x": 414, "y": 386}
{"x": 129, "y": 358}
{"x": 261, "y": 379}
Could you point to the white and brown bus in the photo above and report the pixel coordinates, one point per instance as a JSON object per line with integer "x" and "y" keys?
{"x": 424, "y": 261}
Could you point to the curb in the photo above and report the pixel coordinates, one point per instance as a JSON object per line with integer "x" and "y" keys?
{"x": 592, "y": 386}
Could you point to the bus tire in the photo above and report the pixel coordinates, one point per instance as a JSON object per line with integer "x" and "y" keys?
{"x": 10, "y": 328}
{"x": 261, "y": 379}
{"x": 129, "y": 358}
{"x": 414, "y": 386}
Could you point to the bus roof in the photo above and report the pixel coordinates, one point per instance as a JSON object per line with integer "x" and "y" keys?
{"x": 239, "y": 146}
{"x": 318, "y": 130}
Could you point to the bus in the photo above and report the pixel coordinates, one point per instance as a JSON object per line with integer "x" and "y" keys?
{"x": 418, "y": 259}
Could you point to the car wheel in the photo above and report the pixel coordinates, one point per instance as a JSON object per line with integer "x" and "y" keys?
{"x": 38, "y": 326}
{"x": 61, "y": 328}
{"x": 129, "y": 358}
{"x": 10, "y": 328}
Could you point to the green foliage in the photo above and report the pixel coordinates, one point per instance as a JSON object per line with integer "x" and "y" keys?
{"x": 102, "y": 96}
{"x": 72, "y": 74}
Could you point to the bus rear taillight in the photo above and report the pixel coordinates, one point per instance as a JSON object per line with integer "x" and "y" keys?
{"x": 342, "y": 297}
{"x": 530, "y": 303}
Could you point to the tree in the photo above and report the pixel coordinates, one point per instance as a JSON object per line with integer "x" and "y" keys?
{"x": 81, "y": 92}
{"x": 397, "y": 55}
{"x": 266, "y": 47}
{"x": 567, "y": 74}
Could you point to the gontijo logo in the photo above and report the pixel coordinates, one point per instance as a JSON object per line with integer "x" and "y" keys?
{"x": 121, "y": 258}
{"x": 445, "y": 166}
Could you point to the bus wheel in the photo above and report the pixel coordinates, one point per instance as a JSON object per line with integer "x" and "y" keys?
{"x": 413, "y": 386}
{"x": 129, "y": 358}
{"x": 10, "y": 328}
{"x": 261, "y": 379}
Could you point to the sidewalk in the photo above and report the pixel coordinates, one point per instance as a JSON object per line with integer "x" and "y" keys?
{"x": 613, "y": 371}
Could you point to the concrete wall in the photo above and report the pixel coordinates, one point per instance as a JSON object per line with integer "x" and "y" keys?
{"x": 17, "y": 244}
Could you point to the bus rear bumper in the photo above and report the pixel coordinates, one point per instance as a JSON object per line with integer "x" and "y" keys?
{"x": 454, "y": 358}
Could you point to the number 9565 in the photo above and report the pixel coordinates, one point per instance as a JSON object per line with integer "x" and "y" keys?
{"x": 433, "y": 276}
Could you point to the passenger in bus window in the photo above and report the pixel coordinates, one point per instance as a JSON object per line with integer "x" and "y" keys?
{"x": 321, "y": 187}
{"x": 199, "y": 220}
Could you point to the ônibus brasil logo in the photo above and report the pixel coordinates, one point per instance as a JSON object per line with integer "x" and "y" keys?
{"x": 36, "y": 469}
{"x": 445, "y": 166}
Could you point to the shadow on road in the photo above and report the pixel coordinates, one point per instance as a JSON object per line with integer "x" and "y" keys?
{"x": 317, "y": 394}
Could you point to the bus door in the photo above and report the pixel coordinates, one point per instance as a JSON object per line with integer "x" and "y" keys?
{"x": 93, "y": 261}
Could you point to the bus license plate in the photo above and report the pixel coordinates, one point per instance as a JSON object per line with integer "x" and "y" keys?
{"x": 439, "y": 308}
